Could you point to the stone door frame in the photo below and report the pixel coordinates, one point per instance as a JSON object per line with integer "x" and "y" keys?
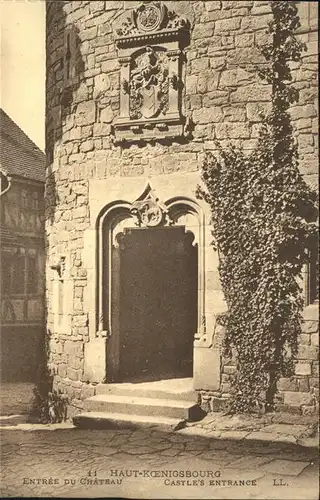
{"x": 112, "y": 220}
{"x": 110, "y": 205}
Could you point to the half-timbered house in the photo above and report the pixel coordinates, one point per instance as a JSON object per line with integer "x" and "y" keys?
{"x": 22, "y": 251}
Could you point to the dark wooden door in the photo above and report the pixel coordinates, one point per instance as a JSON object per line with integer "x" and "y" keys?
{"x": 158, "y": 303}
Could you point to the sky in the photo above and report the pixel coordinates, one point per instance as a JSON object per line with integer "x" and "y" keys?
{"x": 22, "y": 77}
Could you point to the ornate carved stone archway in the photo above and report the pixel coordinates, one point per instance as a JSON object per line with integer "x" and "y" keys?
{"x": 145, "y": 212}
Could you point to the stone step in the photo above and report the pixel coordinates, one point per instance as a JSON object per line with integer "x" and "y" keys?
{"x": 133, "y": 405}
{"x": 148, "y": 390}
{"x": 105, "y": 420}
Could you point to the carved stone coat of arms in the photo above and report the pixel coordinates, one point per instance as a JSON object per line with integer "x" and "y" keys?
{"x": 150, "y": 55}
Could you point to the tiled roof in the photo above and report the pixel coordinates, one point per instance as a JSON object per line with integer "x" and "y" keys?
{"x": 19, "y": 156}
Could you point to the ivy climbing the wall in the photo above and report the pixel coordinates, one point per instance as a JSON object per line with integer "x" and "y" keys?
{"x": 263, "y": 220}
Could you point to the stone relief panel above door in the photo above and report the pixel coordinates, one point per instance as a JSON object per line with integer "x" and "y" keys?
{"x": 150, "y": 41}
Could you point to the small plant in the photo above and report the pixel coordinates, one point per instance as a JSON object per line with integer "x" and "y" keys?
{"x": 57, "y": 406}
{"x": 50, "y": 407}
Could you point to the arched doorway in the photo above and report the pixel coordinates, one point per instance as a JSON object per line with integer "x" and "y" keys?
{"x": 150, "y": 299}
{"x": 157, "y": 302}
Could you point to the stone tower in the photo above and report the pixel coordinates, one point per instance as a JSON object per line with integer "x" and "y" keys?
{"x": 136, "y": 92}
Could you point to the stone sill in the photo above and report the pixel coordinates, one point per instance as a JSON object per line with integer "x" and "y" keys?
{"x": 130, "y": 131}
{"x": 157, "y": 36}
{"x": 126, "y": 122}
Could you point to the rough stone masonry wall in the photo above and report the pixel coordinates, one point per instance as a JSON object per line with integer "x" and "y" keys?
{"x": 299, "y": 394}
{"x": 223, "y": 98}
